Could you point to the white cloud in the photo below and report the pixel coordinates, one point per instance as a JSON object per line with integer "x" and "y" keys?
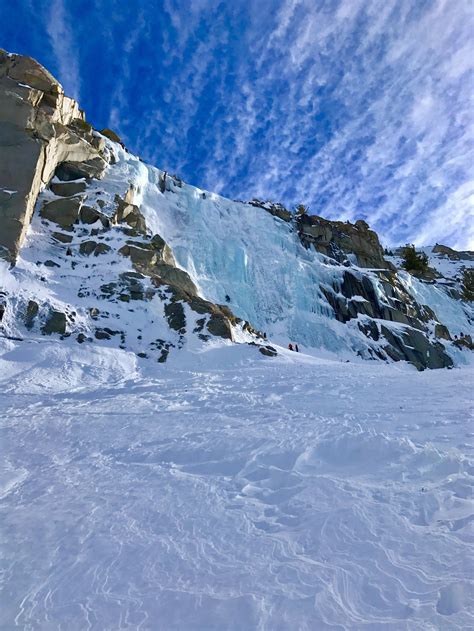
{"x": 58, "y": 27}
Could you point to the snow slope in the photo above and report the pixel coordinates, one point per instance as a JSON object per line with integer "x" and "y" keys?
{"x": 221, "y": 491}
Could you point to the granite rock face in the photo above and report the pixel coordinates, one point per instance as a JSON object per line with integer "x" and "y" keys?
{"x": 40, "y": 128}
{"x": 339, "y": 240}
{"x": 454, "y": 255}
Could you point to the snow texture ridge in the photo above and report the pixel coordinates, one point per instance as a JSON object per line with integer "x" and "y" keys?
{"x": 221, "y": 492}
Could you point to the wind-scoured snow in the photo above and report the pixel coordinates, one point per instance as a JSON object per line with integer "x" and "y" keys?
{"x": 226, "y": 490}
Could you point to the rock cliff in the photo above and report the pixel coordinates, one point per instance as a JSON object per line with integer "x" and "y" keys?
{"x": 50, "y": 158}
{"x": 100, "y": 248}
{"x": 372, "y": 292}
{"x": 40, "y": 128}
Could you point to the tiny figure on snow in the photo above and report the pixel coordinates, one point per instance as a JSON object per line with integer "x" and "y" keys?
{"x": 296, "y": 348}
{"x": 227, "y": 298}
{"x": 290, "y": 346}
{"x": 264, "y": 336}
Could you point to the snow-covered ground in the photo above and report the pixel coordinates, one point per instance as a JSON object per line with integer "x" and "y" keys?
{"x": 226, "y": 490}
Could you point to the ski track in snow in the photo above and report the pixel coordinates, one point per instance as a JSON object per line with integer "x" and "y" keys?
{"x": 228, "y": 492}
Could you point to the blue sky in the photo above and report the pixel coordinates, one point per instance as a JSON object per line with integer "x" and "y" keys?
{"x": 357, "y": 108}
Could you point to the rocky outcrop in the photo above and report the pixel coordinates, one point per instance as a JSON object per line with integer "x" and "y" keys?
{"x": 369, "y": 291}
{"x": 371, "y": 301}
{"x": 454, "y": 255}
{"x": 40, "y": 129}
{"x": 55, "y": 323}
{"x": 415, "y": 347}
{"x": 342, "y": 241}
{"x": 82, "y": 232}
{"x": 277, "y": 210}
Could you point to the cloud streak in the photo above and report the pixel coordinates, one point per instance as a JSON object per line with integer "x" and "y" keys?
{"x": 59, "y": 27}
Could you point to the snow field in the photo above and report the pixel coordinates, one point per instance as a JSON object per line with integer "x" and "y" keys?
{"x": 231, "y": 491}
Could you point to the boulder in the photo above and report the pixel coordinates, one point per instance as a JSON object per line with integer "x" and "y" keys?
{"x": 154, "y": 258}
{"x": 55, "y": 323}
{"x": 90, "y": 215}
{"x": 129, "y": 213}
{"x": 143, "y": 258}
{"x": 87, "y": 247}
{"x": 162, "y": 248}
{"x": 111, "y": 135}
{"x": 92, "y": 247}
{"x": 170, "y": 275}
{"x": 218, "y": 324}
{"x": 61, "y": 237}
{"x": 88, "y": 169}
{"x": 63, "y": 212}
{"x": 106, "y": 333}
{"x": 163, "y": 355}
{"x": 31, "y": 313}
{"x": 67, "y": 189}
{"x": 442, "y": 332}
{"x": 268, "y": 351}
{"x": 174, "y": 312}
{"x": 102, "y": 248}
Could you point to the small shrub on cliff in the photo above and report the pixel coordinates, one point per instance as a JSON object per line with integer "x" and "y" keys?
{"x": 301, "y": 209}
{"x": 414, "y": 261}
